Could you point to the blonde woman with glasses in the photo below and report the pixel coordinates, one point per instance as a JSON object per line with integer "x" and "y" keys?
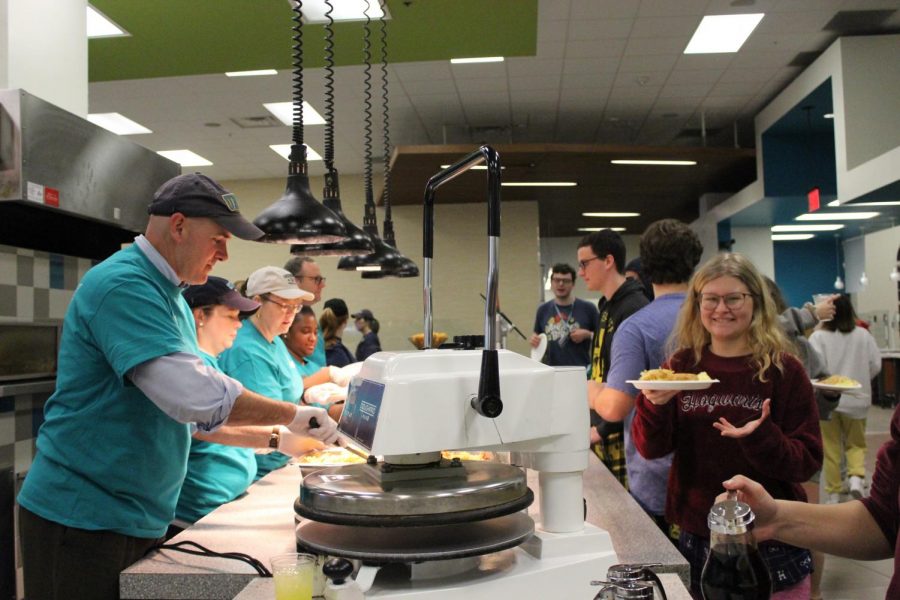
{"x": 759, "y": 419}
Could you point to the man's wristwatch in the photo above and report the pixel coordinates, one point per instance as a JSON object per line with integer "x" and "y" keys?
{"x": 274, "y": 438}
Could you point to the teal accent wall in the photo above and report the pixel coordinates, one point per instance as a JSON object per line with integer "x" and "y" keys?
{"x": 804, "y": 268}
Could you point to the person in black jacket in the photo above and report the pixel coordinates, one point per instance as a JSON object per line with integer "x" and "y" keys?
{"x": 332, "y": 321}
{"x": 368, "y": 326}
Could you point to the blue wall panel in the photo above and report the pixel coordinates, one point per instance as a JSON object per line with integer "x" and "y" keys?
{"x": 804, "y": 268}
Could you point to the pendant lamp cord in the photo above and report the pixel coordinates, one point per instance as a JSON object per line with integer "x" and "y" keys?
{"x": 329, "y": 87}
{"x": 388, "y": 222}
{"x": 298, "y": 71}
{"x": 370, "y": 222}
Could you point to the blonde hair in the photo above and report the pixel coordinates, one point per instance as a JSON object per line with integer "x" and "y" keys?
{"x": 331, "y": 324}
{"x": 765, "y": 337}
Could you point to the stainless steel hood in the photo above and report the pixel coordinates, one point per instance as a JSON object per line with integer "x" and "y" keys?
{"x": 67, "y": 185}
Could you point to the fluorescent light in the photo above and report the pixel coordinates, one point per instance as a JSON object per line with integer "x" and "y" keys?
{"x": 838, "y": 203}
{"x": 609, "y": 214}
{"x": 284, "y": 150}
{"x": 722, "y": 33}
{"x": 255, "y": 73}
{"x": 117, "y": 123}
{"x": 828, "y": 116}
{"x": 476, "y": 168}
{"x": 837, "y": 216}
{"x": 886, "y": 203}
{"x": 789, "y": 228}
{"x": 345, "y": 10}
{"x": 285, "y": 113}
{"x": 538, "y": 184}
{"x": 477, "y": 59}
{"x": 185, "y": 158}
{"x": 101, "y": 26}
{"x": 676, "y": 163}
{"x": 369, "y": 268}
{"x": 787, "y": 237}
{"x": 601, "y": 228}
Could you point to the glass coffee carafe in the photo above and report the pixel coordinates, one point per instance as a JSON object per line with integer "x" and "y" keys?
{"x": 734, "y": 569}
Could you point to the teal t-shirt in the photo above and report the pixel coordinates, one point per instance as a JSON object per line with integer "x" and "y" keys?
{"x": 266, "y": 368}
{"x": 306, "y": 369}
{"x": 216, "y": 473}
{"x": 107, "y": 457}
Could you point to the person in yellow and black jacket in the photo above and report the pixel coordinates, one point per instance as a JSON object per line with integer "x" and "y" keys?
{"x": 601, "y": 263}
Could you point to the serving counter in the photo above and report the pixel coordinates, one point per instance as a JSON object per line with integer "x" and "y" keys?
{"x": 261, "y": 524}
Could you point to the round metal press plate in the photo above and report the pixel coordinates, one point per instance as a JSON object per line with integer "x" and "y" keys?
{"x": 475, "y": 490}
{"x": 411, "y": 544}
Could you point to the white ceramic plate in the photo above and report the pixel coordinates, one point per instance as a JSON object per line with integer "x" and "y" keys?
{"x": 648, "y": 384}
{"x": 835, "y": 388}
{"x": 538, "y": 353}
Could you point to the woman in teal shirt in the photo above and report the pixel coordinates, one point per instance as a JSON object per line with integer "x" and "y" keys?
{"x": 221, "y": 465}
{"x": 259, "y": 358}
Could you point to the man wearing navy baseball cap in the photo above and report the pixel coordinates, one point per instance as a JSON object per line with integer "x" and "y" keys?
{"x": 112, "y": 451}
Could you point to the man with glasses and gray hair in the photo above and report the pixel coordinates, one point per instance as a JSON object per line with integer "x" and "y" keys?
{"x": 309, "y": 278}
{"x": 567, "y": 321}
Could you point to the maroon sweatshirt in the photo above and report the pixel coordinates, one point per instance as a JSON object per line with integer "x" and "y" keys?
{"x": 784, "y": 451}
{"x": 883, "y": 502}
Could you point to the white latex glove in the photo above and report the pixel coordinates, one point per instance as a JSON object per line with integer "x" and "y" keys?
{"x": 338, "y": 376}
{"x": 297, "y": 445}
{"x": 324, "y": 394}
{"x": 327, "y": 427}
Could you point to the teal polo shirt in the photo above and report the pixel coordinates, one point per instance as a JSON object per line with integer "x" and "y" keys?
{"x": 216, "y": 473}
{"x": 107, "y": 457}
{"x": 266, "y": 368}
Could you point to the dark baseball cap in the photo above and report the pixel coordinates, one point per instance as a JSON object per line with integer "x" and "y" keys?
{"x": 364, "y": 314}
{"x": 196, "y": 195}
{"x": 215, "y": 291}
{"x": 338, "y": 307}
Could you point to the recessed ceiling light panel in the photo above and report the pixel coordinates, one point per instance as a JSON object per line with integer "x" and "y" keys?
{"x": 285, "y": 113}
{"x": 610, "y": 214}
{"x": 791, "y": 237}
{"x": 284, "y": 150}
{"x": 476, "y": 59}
{"x": 185, "y": 158}
{"x": 722, "y": 33}
{"x": 117, "y": 123}
{"x": 670, "y": 163}
{"x": 810, "y": 227}
{"x": 345, "y": 10}
{"x": 837, "y": 216}
{"x": 256, "y": 73}
{"x": 101, "y": 26}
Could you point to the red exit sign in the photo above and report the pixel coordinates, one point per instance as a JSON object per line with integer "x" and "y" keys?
{"x": 812, "y": 196}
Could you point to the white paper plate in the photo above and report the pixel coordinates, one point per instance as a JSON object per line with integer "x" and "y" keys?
{"x": 672, "y": 385}
{"x": 835, "y": 388}
{"x": 538, "y": 353}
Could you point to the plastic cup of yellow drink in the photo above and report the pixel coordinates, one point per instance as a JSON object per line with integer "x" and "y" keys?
{"x": 293, "y": 573}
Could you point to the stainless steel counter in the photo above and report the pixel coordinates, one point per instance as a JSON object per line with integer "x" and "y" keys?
{"x": 261, "y": 523}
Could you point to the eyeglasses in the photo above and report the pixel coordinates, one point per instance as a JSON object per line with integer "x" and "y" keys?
{"x": 732, "y": 301}
{"x": 556, "y": 280}
{"x": 582, "y": 264}
{"x": 318, "y": 278}
{"x": 287, "y": 308}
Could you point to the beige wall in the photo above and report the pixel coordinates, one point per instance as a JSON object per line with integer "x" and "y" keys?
{"x": 460, "y": 263}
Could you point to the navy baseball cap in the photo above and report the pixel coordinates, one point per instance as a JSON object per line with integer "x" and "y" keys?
{"x": 218, "y": 290}
{"x": 196, "y": 195}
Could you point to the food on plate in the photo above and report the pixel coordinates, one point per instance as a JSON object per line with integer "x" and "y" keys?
{"x": 669, "y": 375}
{"x": 466, "y": 455}
{"x": 330, "y": 456}
{"x": 839, "y": 380}
{"x": 437, "y": 338}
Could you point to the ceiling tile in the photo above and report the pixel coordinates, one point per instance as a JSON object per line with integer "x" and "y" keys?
{"x": 690, "y": 62}
{"x": 595, "y": 48}
{"x": 603, "y": 9}
{"x": 427, "y": 88}
{"x": 551, "y": 49}
{"x": 492, "y": 84}
{"x": 735, "y": 88}
{"x": 423, "y": 71}
{"x": 479, "y": 70}
{"x": 553, "y": 10}
{"x": 527, "y": 67}
{"x": 657, "y": 62}
{"x": 736, "y": 74}
{"x": 592, "y": 81}
{"x": 553, "y": 31}
{"x": 679, "y": 76}
{"x": 576, "y": 66}
{"x": 525, "y": 97}
{"x": 542, "y": 83}
{"x": 600, "y": 29}
{"x": 659, "y": 45}
{"x": 667, "y": 8}
{"x": 645, "y": 27}
{"x": 685, "y": 90}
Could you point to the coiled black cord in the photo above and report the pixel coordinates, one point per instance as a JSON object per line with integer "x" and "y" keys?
{"x": 298, "y": 71}
{"x": 329, "y": 87}
{"x": 369, "y": 217}
{"x": 384, "y": 115}
{"x": 199, "y": 550}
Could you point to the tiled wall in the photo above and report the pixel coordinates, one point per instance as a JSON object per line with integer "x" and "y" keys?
{"x": 34, "y": 287}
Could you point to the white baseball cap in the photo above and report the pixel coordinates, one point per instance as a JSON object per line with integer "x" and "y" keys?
{"x": 275, "y": 280}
